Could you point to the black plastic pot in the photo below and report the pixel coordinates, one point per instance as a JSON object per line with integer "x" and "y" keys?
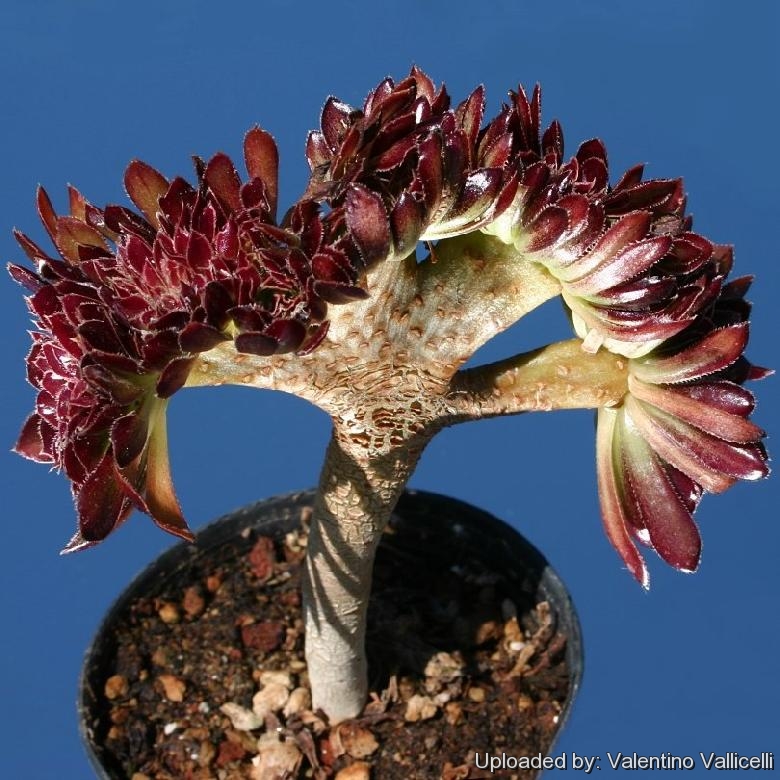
{"x": 426, "y": 517}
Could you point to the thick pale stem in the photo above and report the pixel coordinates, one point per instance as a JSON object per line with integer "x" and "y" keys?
{"x": 476, "y": 287}
{"x": 387, "y": 374}
{"x": 356, "y": 496}
{"x": 558, "y": 376}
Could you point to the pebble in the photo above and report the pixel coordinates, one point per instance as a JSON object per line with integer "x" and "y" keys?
{"x": 512, "y": 631}
{"x": 444, "y": 666}
{"x": 300, "y": 699}
{"x": 173, "y": 687}
{"x": 278, "y": 677}
{"x": 241, "y": 718}
{"x": 116, "y": 687}
{"x": 262, "y": 558}
{"x": 271, "y": 698}
{"x": 477, "y": 694}
{"x": 168, "y": 613}
{"x": 419, "y": 708}
{"x": 354, "y": 739}
{"x": 266, "y": 636}
{"x": 160, "y": 657}
{"x": 276, "y": 759}
{"x": 360, "y": 770}
{"x": 193, "y": 602}
{"x": 453, "y": 712}
{"x": 229, "y": 751}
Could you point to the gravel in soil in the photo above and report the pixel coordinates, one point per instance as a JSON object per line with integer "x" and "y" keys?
{"x": 207, "y": 678}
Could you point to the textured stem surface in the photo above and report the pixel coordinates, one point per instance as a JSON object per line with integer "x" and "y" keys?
{"x": 388, "y": 376}
{"x": 354, "y": 502}
{"x": 558, "y": 376}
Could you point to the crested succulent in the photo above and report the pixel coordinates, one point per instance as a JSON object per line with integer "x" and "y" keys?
{"x": 202, "y": 284}
{"x": 133, "y": 298}
{"x": 631, "y": 271}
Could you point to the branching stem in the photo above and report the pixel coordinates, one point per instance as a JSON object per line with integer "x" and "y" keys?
{"x": 389, "y": 377}
{"x": 558, "y": 376}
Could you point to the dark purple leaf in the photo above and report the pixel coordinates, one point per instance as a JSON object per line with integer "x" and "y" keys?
{"x": 407, "y": 223}
{"x": 724, "y": 395}
{"x": 498, "y": 153}
{"x": 222, "y": 178}
{"x": 199, "y": 252}
{"x": 262, "y": 161}
{"x": 248, "y": 318}
{"x": 552, "y": 141}
{"x": 395, "y": 155}
{"x": 47, "y": 214}
{"x": 120, "y": 390}
{"x": 122, "y": 220}
{"x": 339, "y": 293}
{"x": 255, "y": 343}
{"x": 199, "y": 337}
{"x": 646, "y": 195}
{"x": 71, "y": 234}
{"x": 673, "y": 534}
{"x": 611, "y": 499}
{"x": 30, "y": 281}
{"x": 159, "y": 493}
{"x": 469, "y": 114}
{"x": 100, "y": 502}
{"x": 680, "y": 445}
{"x": 631, "y": 228}
{"x": 289, "y": 334}
{"x": 173, "y": 377}
{"x": 31, "y": 444}
{"x": 145, "y": 186}
{"x": 590, "y": 150}
{"x": 159, "y": 349}
{"x": 335, "y": 121}
{"x": 332, "y": 268}
{"x": 315, "y": 339}
{"x": 31, "y": 249}
{"x": 367, "y": 222}
{"x": 637, "y": 294}
{"x": 175, "y": 320}
{"x": 704, "y": 416}
{"x": 128, "y": 438}
{"x": 317, "y": 150}
{"x": 714, "y": 352}
{"x": 547, "y": 228}
{"x": 623, "y": 266}
{"x": 429, "y": 171}
{"x": 99, "y": 335}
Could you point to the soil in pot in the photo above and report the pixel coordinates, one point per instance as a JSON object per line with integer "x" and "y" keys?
{"x": 203, "y": 675}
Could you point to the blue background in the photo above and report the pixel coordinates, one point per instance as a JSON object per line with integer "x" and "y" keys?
{"x": 691, "y": 87}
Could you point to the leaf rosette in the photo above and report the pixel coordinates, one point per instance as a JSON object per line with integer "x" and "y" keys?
{"x": 681, "y": 429}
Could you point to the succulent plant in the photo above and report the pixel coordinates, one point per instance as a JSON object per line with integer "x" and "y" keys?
{"x": 202, "y": 285}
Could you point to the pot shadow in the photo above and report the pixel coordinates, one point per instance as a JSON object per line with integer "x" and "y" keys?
{"x": 446, "y": 578}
